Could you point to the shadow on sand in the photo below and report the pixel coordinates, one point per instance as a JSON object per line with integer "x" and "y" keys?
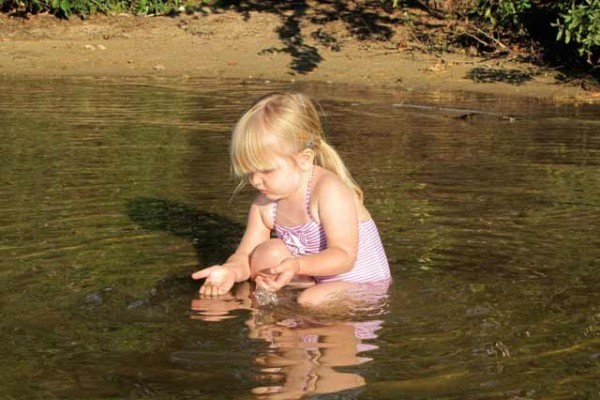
{"x": 363, "y": 20}
{"x": 493, "y": 75}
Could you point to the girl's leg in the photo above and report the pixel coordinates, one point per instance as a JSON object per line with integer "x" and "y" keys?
{"x": 344, "y": 294}
{"x": 327, "y": 294}
{"x": 270, "y": 254}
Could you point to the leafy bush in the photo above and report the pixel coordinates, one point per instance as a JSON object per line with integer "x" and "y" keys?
{"x": 504, "y": 14}
{"x": 83, "y": 8}
{"x": 579, "y": 22}
{"x": 61, "y": 8}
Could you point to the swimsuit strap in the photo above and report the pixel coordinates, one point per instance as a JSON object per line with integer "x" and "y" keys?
{"x": 274, "y": 212}
{"x": 307, "y": 199}
{"x": 308, "y": 193}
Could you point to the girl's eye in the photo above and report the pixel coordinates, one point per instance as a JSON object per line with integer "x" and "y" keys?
{"x": 261, "y": 171}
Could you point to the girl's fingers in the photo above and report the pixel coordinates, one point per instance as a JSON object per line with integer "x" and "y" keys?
{"x": 218, "y": 290}
{"x": 290, "y": 265}
{"x": 278, "y": 269}
{"x": 274, "y": 284}
{"x": 281, "y": 280}
{"x": 203, "y": 273}
{"x": 260, "y": 282}
{"x": 263, "y": 282}
{"x": 206, "y": 288}
{"x": 211, "y": 289}
{"x": 275, "y": 270}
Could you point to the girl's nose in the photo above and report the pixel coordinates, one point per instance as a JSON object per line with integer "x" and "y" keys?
{"x": 254, "y": 178}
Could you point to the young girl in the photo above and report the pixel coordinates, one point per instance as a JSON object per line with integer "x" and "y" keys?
{"x": 307, "y": 196}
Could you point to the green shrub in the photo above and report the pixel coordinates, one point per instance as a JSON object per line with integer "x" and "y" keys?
{"x": 503, "y": 14}
{"x": 61, "y": 8}
{"x": 579, "y": 23}
{"x": 83, "y": 8}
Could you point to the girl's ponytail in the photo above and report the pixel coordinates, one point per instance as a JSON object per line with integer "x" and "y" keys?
{"x": 328, "y": 158}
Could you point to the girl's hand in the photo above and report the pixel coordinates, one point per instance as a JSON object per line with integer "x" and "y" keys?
{"x": 280, "y": 276}
{"x": 219, "y": 280}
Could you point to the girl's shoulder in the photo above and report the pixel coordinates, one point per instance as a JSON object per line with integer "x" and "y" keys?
{"x": 326, "y": 183}
{"x": 328, "y": 186}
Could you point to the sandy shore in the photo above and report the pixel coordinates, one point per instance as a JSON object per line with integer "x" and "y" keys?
{"x": 259, "y": 45}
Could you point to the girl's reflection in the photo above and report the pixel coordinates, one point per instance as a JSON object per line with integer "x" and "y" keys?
{"x": 303, "y": 354}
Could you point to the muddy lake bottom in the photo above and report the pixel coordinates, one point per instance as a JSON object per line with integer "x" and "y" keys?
{"x": 115, "y": 190}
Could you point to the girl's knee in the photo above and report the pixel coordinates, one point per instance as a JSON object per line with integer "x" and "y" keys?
{"x": 267, "y": 255}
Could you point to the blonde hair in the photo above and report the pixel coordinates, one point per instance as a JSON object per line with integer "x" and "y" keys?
{"x": 282, "y": 124}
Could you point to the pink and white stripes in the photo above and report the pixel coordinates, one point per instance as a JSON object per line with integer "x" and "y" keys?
{"x": 371, "y": 262}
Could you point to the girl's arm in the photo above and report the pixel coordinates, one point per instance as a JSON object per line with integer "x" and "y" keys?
{"x": 339, "y": 217}
{"x": 220, "y": 278}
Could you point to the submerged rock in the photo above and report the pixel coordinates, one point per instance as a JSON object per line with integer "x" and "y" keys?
{"x": 94, "y": 299}
{"x": 137, "y": 304}
{"x": 265, "y": 297}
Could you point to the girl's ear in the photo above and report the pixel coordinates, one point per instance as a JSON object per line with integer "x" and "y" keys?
{"x": 306, "y": 158}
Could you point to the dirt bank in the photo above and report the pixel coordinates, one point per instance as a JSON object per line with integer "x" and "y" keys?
{"x": 261, "y": 44}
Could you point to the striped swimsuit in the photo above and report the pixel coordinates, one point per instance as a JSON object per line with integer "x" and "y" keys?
{"x": 371, "y": 263}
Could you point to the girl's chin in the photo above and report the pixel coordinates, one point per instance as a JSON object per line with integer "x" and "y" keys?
{"x": 272, "y": 196}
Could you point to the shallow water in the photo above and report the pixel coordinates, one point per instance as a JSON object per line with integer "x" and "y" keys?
{"x": 114, "y": 191}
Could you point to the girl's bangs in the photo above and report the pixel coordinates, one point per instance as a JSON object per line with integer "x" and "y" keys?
{"x": 251, "y": 153}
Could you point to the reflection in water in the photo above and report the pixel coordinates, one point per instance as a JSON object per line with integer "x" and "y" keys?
{"x": 304, "y": 351}
{"x": 214, "y": 309}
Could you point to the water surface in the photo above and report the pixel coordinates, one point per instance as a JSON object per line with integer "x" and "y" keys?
{"x": 113, "y": 192}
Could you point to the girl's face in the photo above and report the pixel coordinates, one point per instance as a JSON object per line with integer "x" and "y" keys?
{"x": 277, "y": 183}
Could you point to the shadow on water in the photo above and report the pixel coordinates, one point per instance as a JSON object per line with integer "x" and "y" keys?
{"x": 214, "y": 237}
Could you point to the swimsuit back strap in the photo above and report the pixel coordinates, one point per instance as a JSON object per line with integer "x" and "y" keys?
{"x": 307, "y": 200}
{"x": 308, "y": 193}
{"x": 274, "y": 212}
